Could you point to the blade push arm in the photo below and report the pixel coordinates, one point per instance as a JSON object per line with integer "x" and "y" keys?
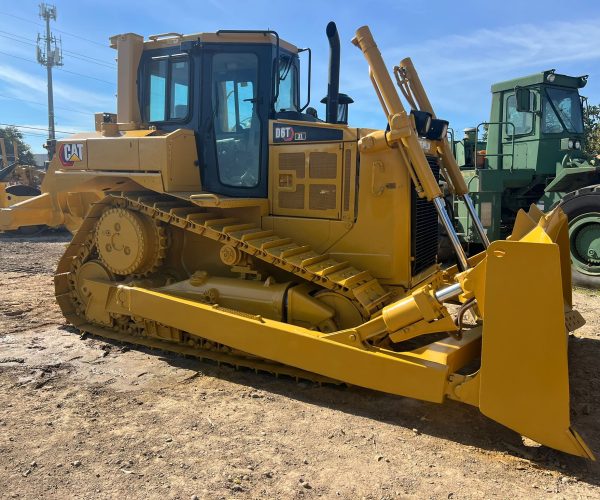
{"x": 411, "y": 86}
{"x": 403, "y": 135}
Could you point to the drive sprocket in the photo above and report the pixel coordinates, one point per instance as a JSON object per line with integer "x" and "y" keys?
{"x": 130, "y": 243}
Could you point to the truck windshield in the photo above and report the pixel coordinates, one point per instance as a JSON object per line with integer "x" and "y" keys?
{"x": 561, "y": 111}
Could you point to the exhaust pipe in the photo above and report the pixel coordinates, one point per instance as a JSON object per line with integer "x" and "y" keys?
{"x": 333, "y": 84}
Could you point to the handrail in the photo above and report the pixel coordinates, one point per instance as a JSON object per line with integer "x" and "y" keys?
{"x": 171, "y": 34}
{"x": 307, "y": 49}
{"x": 512, "y": 154}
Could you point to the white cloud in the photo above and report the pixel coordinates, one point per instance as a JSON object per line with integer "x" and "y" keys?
{"x": 504, "y": 51}
{"x": 18, "y": 81}
{"x": 458, "y": 70}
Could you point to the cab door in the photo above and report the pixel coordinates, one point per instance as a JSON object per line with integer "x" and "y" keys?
{"x": 236, "y": 94}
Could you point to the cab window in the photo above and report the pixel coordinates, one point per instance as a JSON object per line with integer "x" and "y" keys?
{"x": 562, "y": 110}
{"x": 168, "y": 89}
{"x": 522, "y": 120}
{"x": 288, "y": 77}
{"x": 180, "y": 82}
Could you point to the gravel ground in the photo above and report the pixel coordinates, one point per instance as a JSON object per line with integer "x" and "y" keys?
{"x": 82, "y": 418}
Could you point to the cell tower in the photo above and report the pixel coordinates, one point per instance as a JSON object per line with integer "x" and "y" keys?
{"x": 49, "y": 54}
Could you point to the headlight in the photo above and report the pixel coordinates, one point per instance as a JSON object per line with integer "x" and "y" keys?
{"x": 438, "y": 130}
{"x": 422, "y": 121}
{"x": 571, "y": 144}
{"x": 577, "y": 144}
{"x": 551, "y": 77}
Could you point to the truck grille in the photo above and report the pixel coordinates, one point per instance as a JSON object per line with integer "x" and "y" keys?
{"x": 424, "y": 229}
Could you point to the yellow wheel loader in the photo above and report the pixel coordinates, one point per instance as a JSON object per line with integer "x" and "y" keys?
{"x": 18, "y": 182}
{"x": 235, "y": 225}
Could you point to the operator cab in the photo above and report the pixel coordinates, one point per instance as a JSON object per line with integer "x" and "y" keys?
{"x": 560, "y": 110}
{"x": 226, "y": 86}
{"x": 545, "y": 108}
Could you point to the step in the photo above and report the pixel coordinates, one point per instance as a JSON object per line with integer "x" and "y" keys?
{"x": 357, "y": 278}
{"x": 258, "y": 243}
{"x": 151, "y": 200}
{"x": 278, "y": 242}
{"x": 335, "y": 268}
{"x": 253, "y": 238}
{"x": 219, "y": 224}
{"x": 280, "y": 250}
{"x": 239, "y": 235}
{"x": 166, "y": 206}
{"x": 343, "y": 274}
{"x": 320, "y": 265}
{"x": 297, "y": 259}
{"x": 185, "y": 211}
{"x": 237, "y": 227}
{"x": 313, "y": 260}
{"x": 295, "y": 251}
{"x": 199, "y": 218}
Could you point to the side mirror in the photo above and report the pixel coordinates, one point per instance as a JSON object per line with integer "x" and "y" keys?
{"x": 523, "y": 98}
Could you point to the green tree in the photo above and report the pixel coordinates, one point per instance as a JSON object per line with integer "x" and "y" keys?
{"x": 591, "y": 124}
{"x": 11, "y": 134}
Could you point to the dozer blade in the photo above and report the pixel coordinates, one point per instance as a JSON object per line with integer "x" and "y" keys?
{"x": 524, "y": 379}
{"x": 48, "y": 209}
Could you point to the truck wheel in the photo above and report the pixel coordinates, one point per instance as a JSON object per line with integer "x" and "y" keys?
{"x": 582, "y": 207}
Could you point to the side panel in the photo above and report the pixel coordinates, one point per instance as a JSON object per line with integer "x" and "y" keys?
{"x": 306, "y": 180}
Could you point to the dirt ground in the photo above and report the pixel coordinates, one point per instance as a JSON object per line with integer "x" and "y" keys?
{"x": 84, "y": 418}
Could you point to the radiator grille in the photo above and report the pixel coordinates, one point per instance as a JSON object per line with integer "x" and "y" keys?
{"x": 347, "y": 172}
{"x": 322, "y": 166}
{"x": 322, "y": 197}
{"x": 424, "y": 230}
{"x": 293, "y": 199}
{"x": 293, "y": 161}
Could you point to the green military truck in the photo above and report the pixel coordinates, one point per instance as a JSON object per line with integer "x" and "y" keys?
{"x": 533, "y": 153}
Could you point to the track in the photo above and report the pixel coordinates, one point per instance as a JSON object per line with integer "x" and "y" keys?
{"x": 357, "y": 285}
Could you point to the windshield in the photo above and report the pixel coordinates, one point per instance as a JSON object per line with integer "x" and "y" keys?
{"x": 562, "y": 111}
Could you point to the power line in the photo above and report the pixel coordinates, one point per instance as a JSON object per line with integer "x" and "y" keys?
{"x": 90, "y": 60}
{"x": 32, "y": 128}
{"x": 34, "y": 134}
{"x": 60, "y": 69}
{"x": 60, "y": 31}
{"x": 76, "y": 55}
{"x": 86, "y": 76}
{"x": 17, "y": 57}
{"x": 14, "y": 38}
{"x": 4, "y": 96}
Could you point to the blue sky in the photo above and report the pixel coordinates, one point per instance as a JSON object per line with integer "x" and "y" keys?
{"x": 459, "y": 48}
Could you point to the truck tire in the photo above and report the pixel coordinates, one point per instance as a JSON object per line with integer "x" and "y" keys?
{"x": 582, "y": 207}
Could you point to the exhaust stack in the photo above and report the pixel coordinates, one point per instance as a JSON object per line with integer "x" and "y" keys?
{"x": 333, "y": 84}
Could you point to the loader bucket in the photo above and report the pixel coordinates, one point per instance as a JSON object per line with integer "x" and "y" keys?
{"x": 524, "y": 378}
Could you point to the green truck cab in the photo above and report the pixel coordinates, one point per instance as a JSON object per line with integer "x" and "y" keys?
{"x": 533, "y": 154}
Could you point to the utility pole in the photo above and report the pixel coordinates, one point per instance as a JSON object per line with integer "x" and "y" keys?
{"x": 49, "y": 54}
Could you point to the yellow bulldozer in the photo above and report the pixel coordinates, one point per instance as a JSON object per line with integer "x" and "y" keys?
{"x": 233, "y": 224}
